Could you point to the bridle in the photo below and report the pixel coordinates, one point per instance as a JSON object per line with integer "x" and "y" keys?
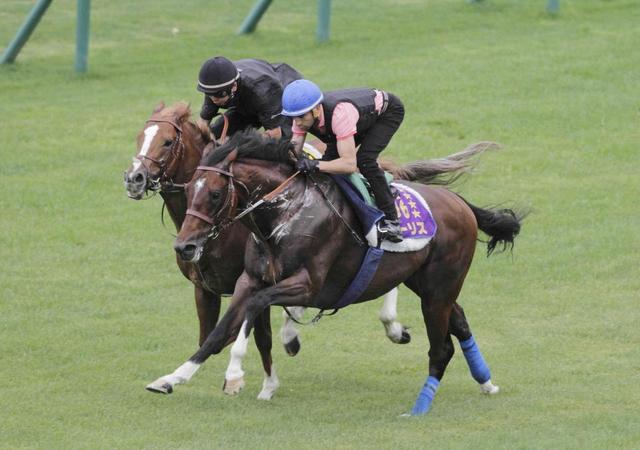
{"x": 167, "y": 165}
{"x": 219, "y": 223}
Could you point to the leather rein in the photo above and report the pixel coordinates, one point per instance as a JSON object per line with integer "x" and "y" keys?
{"x": 231, "y": 202}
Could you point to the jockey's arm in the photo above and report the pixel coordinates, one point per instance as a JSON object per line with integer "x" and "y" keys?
{"x": 346, "y": 163}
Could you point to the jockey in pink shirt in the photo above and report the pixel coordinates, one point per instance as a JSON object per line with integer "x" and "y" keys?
{"x": 356, "y": 124}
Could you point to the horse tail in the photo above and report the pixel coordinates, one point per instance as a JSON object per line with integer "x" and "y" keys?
{"x": 441, "y": 171}
{"x": 501, "y": 225}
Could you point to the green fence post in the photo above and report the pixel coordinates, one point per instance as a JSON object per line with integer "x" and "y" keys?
{"x": 251, "y": 21}
{"x": 553, "y": 6}
{"x": 324, "y": 15}
{"x": 22, "y": 36}
{"x": 82, "y": 35}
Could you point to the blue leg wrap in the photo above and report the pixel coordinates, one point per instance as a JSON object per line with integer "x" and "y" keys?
{"x": 423, "y": 402}
{"x": 478, "y": 367}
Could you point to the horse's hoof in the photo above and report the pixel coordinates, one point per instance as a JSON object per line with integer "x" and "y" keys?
{"x": 489, "y": 388}
{"x": 266, "y": 394}
{"x": 160, "y": 387}
{"x": 233, "y": 387}
{"x": 406, "y": 337}
{"x": 292, "y": 347}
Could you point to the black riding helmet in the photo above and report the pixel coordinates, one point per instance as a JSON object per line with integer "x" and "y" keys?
{"x": 217, "y": 74}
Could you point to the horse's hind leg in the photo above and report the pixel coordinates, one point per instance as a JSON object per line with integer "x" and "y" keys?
{"x": 289, "y": 332}
{"x": 396, "y": 332}
{"x": 436, "y": 319}
{"x": 459, "y": 327}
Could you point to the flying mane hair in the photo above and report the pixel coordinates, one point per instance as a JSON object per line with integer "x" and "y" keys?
{"x": 251, "y": 144}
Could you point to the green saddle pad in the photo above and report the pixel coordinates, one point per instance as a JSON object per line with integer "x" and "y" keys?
{"x": 362, "y": 185}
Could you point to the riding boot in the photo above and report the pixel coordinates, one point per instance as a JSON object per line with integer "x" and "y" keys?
{"x": 389, "y": 227}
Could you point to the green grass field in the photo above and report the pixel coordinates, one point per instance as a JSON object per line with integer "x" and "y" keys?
{"x": 92, "y": 306}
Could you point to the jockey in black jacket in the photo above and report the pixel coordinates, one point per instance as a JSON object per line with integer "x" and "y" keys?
{"x": 251, "y": 91}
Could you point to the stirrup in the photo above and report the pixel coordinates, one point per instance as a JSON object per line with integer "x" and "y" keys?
{"x": 389, "y": 231}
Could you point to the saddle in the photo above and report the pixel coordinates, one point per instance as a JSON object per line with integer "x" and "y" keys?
{"x": 416, "y": 220}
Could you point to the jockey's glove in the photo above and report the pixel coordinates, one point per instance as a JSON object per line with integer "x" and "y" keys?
{"x": 307, "y": 165}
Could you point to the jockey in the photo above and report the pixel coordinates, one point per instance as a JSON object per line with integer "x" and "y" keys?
{"x": 344, "y": 120}
{"x": 251, "y": 89}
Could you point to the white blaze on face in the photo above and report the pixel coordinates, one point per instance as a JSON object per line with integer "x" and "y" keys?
{"x": 149, "y": 134}
{"x": 199, "y": 185}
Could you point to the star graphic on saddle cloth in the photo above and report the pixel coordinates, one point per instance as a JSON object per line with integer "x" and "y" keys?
{"x": 416, "y": 214}
{"x": 406, "y": 195}
{"x": 412, "y": 204}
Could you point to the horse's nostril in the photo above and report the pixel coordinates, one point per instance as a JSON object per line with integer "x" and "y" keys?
{"x": 139, "y": 178}
{"x": 187, "y": 252}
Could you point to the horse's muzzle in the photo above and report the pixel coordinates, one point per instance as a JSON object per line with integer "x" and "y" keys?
{"x": 135, "y": 182}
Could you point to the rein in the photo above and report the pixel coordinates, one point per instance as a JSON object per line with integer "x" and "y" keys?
{"x": 231, "y": 201}
{"x": 353, "y": 232}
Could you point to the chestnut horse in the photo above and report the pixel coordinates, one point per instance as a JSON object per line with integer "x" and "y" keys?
{"x": 302, "y": 254}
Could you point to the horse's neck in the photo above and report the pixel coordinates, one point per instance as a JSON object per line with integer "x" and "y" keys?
{"x": 175, "y": 200}
{"x": 263, "y": 178}
{"x": 176, "y": 205}
{"x": 193, "y": 148}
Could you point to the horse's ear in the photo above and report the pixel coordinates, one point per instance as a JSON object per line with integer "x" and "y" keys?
{"x": 182, "y": 112}
{"x": 159, "y": 107}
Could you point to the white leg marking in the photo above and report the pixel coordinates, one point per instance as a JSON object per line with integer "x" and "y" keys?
{"x": 181, "y": 375}
{"x": 289, "y": 332}
{"x": 269, "y": 385}
{"x": 238, "y": 351}
{"x": 149, "y": 134}
{"x": 388, "y": 315}
{"x": 489, "y": 388}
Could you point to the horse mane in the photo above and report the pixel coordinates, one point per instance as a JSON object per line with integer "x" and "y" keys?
{"x": 251, "y": 144}
{"x": 180, "y": 113}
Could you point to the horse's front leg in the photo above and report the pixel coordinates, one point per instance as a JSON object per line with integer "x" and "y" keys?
{"x": 234, "y": 376}
{"x": 293, "y": 290}
{"x": 208, "y": 308}
{"x": 221, "y": 336}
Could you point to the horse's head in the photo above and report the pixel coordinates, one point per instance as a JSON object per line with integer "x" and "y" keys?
{"x": 212, "y": 199}
{"x": 160, "y": 148}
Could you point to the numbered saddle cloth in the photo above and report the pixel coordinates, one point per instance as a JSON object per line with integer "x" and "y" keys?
{"x": 416, "y": 220}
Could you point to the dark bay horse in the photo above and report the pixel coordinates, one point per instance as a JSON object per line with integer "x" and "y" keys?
{"x": 169, "y": 149}
{"x": 302, "y": 254}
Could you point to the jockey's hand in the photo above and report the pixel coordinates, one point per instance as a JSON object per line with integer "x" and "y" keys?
{"x": 307, "y": 165}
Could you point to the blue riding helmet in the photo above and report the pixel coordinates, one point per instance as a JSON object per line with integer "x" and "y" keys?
{"x": 300, "y": 97}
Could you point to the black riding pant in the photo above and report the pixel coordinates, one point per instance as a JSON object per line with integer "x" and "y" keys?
{"x": 239, "y": 121}
{"x": 374, "y": 141}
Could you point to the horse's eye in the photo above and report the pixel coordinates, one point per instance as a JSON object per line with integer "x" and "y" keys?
{"x": 215, "y": 196}
{"x": 168, "y": 142}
